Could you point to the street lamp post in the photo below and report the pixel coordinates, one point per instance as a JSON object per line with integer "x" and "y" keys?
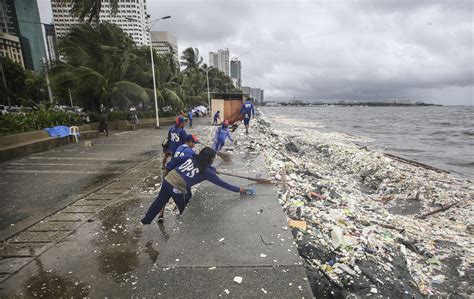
{"x": 208, "y": 93}
{"x": 150, "y": 23}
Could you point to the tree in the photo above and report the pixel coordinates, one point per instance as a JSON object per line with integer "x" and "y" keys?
{"x": 191, "y": 59}
{"x": 14, "y": 79}
{"x": 100, "y": 66}
{"x": 90, "y": 9}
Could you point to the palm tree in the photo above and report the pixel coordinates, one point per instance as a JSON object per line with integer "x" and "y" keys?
{"x": 90, "y": 9}
{"x": 191, "y": 59}
{"x": 98, "y": 64}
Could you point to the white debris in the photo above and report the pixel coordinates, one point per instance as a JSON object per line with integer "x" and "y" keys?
{"x": 221, "y": 239}
{"x": 227, "y": 291}
{"x": 238, "y": 279}
{"x": 373, "y": 290}
{"x": 263, "y": 255}
{"x": 264, "y": 291}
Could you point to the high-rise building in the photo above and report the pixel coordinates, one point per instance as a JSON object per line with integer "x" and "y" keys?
{"x": 51, "y": 43}
{"x": 8, "y": 23}
{"x": 220, "y": 60}
{"x": 131, "y": 16}
{"x": 254, "y": 93}
{"x": 31, "y": 33}
{"x": 235, "y": 72}
{"x": 10, "y": 47}
{"x": 165, "y": 43}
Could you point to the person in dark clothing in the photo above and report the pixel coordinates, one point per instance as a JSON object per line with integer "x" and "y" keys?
{"x": 103, "y": 123}
{"x": 185, "y": 172}
{"x": 247, "y": 112}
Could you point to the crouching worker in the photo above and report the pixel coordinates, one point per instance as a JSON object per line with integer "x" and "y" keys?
{"x": 222, "y": 133}
{"x": 185, "y": 172}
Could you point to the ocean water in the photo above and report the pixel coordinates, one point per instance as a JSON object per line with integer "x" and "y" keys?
{"x": 438, "y": 136}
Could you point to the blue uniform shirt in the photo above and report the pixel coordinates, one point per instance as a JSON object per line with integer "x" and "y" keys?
{"x": 176, "y": 136}
{"x": 189, "y": 171}
{"x": 190, "y": 115}
{"x": 247, "y": 109}
{"x": 183, "y": 151}
{"x": 216, "y": 115}
{"x": 222, "y": 134}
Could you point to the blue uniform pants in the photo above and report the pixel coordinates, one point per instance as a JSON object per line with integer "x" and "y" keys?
{"x": 180, "y": 199}
{"x": 219, "y": 145}
{"x": 190, "y": 122}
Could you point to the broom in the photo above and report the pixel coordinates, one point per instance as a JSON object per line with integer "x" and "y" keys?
{"x": 225, "y": 156}
{"x": 258, "y": 180}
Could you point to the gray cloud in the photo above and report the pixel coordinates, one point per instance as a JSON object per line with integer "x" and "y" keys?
{"x": 366, "y": 49}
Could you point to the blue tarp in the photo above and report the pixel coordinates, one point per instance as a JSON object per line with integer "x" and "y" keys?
{"x": 58, "y": 131}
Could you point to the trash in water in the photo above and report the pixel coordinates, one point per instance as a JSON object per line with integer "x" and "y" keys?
{"x": 238, "y": 279}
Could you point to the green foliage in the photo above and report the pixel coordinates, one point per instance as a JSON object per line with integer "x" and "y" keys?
{"x": 36, "y": 120}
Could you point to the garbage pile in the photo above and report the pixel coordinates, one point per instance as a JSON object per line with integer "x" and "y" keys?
{"x": 366, "y": 223}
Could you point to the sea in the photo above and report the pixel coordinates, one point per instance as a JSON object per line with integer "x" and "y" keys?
{"x": 440, "y": 136}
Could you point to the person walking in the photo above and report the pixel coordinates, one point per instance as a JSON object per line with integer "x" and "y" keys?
{"x": 216, "y": 117}
{"x": 222, "y": 133}
{"x": 190, "y": 117}
{"x": 185, "y": 172}
{"x": 103, "y": 123}
{"x": 176, "y": 136}
{"x": 247, "y": 112}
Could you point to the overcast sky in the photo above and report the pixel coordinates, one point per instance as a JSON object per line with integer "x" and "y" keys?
{"x": 333, "y": 49}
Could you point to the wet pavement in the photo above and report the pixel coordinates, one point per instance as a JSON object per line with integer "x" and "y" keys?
{"x": 96, "y": 247}
{"x": 51, "y": 180}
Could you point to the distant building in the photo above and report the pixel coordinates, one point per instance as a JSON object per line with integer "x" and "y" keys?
{"x": 131, "y": 17}
{"x": 21, "y": 18}
{"x": 165, "y": 43}
{"x": 31, "y": 34}
{"x": 10, "y": 47}
{"x": 235, "y": 72}
{"x": 254, "y": 93}
{"x": 246, "y": 90}
{"x": 51, "y": 43}
{"x": 220, "y": 60}
{"x": 8, "y": 23}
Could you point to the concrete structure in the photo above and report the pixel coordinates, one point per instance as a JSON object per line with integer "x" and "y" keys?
{"x": 220, "y": 60}
{"x": 30, "y": 33}
{"x": 134, "y": 9}
{"x": 10, "y": 47}
{"x": 51, "y": 43}
{"x": 228, "y": 104}
{"x": 235, "y": 72}
{"x": 165, "y": 43}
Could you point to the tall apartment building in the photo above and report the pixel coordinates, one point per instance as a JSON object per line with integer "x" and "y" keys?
{"x": 20, "y": 19}
{"x": 131, "y": 16}
{"x": 165, "y": 43}
{"x": 254, "y": 93}
{"x": 235, "y": 72}
{"x": 220, "y": 60}
{"x": 51, "y": 43}
{"x": 10, "y": 47}
{"x": 9, "y": 41}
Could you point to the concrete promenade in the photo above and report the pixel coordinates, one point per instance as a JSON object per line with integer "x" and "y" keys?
{"x": 96, "y": 247}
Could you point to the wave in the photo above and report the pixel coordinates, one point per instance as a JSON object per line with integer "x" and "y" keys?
{"x": 461, "y": 164}
{"x": 468, "y": 133}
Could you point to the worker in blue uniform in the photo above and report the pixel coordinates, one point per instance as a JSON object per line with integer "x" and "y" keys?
{"x": 247, "y": 110}
{"x": 216, "y": 117}
{"x": 222, "y": 134}
{"x": 185, "y": 172}
{"x": 176, "y": 136}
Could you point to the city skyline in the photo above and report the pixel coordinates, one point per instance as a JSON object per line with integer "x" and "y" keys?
{"x": 361, "y": 50}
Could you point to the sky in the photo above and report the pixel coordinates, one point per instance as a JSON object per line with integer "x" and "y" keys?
{"x": 333, "y": 49}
